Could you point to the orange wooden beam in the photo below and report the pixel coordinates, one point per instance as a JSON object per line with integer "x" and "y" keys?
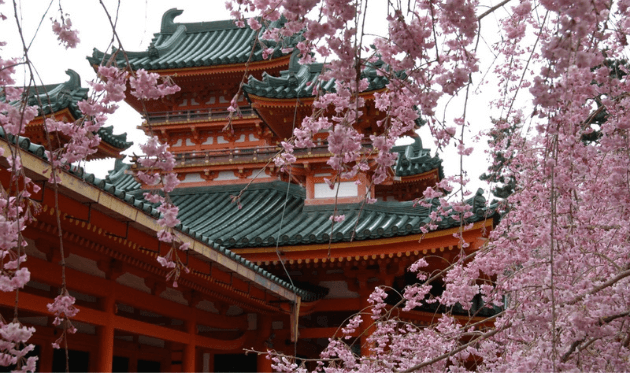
{"x": 36, "y": 303}
{"x": 49, "y": 273}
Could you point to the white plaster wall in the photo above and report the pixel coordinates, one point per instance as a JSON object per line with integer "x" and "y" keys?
{"x": 208, "y": 141}
{"x": 234, "y": 310}
{"x": 259, "y": 173}
{"x": 211, "y": 101}
{"x": 174, "y": 295}
{"x": 84, "y": 265}
{"x": 222, "y": 140}
{"x": 31, "y": 250}
{"x": 84, "y": 328}
{"x": 338, "y": 289}
{"x": 206, "y": 362}
{"x": 189, "y": 142}
{"x": 226, "y": 175}
{"x": 150, "y": 341}
{"x": 83, "y": 297}
{"x": 206, "y": 305}
{"x": 240, "y": 139}
{"x": 346, "y": 189}
{"x": 192, "y": 178}
{"x": 134, "y": 282}
{"x": 184, "y": 103}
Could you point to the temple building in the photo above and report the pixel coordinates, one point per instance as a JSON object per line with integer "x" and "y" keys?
{"x": 271, "y": 271}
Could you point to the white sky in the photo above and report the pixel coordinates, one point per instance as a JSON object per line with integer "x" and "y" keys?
{"x": 137, "y": 22}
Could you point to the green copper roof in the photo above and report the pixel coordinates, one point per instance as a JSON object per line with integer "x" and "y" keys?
{"x": 139, "y": 203}
{"x": 414, "y": 160}
{"x": 209, "y": 211}
{"x": 179, "y": 45}
{"x": 299, "y": 81}
{"x": 53, "y": 98}
{"x": 117, "y": 141}
{"x": 121, "y": 179}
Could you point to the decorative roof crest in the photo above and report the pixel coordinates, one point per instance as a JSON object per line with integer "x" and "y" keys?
{"x": 167, "y": 20}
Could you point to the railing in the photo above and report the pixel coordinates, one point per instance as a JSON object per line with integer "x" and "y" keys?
{"x": 255, "y": 154}
{"x": 194, "y": 115}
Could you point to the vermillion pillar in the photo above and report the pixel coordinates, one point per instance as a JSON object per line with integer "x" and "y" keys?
{"x": 263, "y": 364}
{"x": 45, "y": 358}
{"x": 105, "y": 355}
{"x": 366, "y": 325}
{"x": 264, "y": 331}
{"x": 189, "y": 359}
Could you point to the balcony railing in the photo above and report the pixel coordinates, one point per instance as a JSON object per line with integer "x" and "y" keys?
{"x": 254, "y": 154}
{"x": 194, "y": 115}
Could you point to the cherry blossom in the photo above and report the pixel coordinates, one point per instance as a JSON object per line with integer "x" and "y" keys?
{"x": 556, "y": 265}
{"x": 65, "y": 34}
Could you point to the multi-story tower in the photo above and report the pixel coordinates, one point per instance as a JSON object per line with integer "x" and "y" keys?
{"x": 282, "y": 221}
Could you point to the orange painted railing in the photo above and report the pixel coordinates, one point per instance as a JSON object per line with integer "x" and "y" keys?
{"x": 194, "y": 115}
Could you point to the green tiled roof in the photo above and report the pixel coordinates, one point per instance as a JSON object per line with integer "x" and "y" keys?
{"x": 53, "y": 98}
{"x": 299, "y": 81}
{"x": 414, "y": 160}
{"x": 117, "y": 141}
{"x": 208, "y": 211}
{"x": 139, "y": 203}
{"x": 121, "y": 179}
{"x": 180, "y": 45}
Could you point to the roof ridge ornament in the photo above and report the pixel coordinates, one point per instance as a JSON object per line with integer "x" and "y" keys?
{"x": 74, "y": 82}
{"x": 152, "y": 51}
{"x": 168, "y": 24}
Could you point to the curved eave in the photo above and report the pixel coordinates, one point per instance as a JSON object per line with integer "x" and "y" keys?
{"x": 265, "y": 106}
{"x": 106, "y": 150}
{"x": 86, "y": 188}
{"x": 221, "y": 69}
{"x": 186, "y": 124}
{"x": 399, "y": 246}
{"x": 433, "y": 174}
{"x": 275, "y": 102}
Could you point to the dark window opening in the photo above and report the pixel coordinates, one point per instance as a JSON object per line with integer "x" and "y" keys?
{"x": 148, "y": 366}
{"x": 78, "y": 361}
{"x": 235, "y": 363}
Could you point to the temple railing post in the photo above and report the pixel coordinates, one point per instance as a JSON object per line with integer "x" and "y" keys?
{"x": 105, "y": 355}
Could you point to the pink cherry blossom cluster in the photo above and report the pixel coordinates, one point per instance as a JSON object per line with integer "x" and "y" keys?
{"x": 16, "y": 211}
{"x": 14, "y": 347}
{"x": 557, "y": 263}
{"x": 63, "y": 308}
{"x": 13, "y": 118}
{"x": 80, "y": 142}
{"x": 81, "y": 134}
{"x": 146, "y": 86}
{"x": 159, "y": 163}
{"x": 65, "y": 34}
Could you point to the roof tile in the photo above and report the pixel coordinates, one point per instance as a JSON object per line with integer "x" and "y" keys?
{"x": 180, "y": 45}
